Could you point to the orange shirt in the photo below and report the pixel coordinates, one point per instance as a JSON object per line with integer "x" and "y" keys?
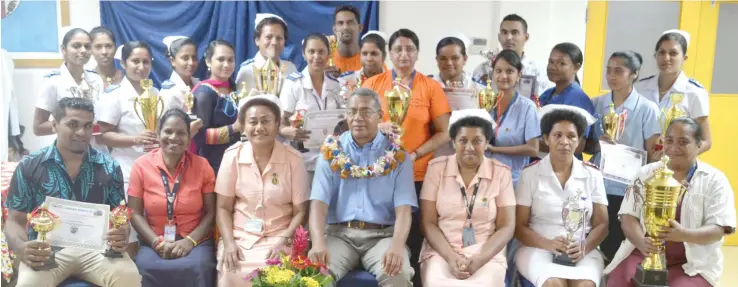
{"x": 145, "y": 183}
{"x": 427, "y": 102}
{"x": 344, "y": 64}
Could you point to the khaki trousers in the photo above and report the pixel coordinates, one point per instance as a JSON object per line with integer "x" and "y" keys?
{"x": 347, "y": 247}
{"x": 90, "y": 266}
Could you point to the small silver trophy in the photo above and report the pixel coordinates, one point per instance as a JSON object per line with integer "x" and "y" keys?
{"x": 574, "y": 215}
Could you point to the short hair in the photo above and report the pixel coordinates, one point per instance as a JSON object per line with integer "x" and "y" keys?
{"x": 270, "y": 21}
{"x": 178, "y": 45}
{"x": 177, "y": 113}
{"x": 472, "y": 122}
{"x": 516, "y": 18}
{"x": 676, "y": 37}
{"x": 132, "y": 45}
{"x": 556, "y": 116}
{"x": 272, "y": 106}
{"x": 102, "y": 30}
{"x": 511, "y": 57}
{"x": 367, "y": 92}
{"x": 71, "y": 33}
{"x": 690, "y": 122}
{"x": 347, "y": 8}
{"x": 574, "y": 54}
{"x": 316, "y": 36}
{"x": 73, "y": 103}
{"x": 632, "y": 61}
{"x": 451, "y": 41}
{"x": 407, "y": 33}
{"x": 377, "y": 40}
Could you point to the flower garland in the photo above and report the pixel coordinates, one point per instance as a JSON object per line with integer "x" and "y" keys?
{"x": 341, "y": 162}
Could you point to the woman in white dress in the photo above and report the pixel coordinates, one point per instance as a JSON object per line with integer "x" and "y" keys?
{"x": 543, "y": 189}
{"x": 182, "y": 52}
{"x": 104, "y": 51}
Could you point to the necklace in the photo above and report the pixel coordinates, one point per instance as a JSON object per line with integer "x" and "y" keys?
{"x": 341, "y": 162}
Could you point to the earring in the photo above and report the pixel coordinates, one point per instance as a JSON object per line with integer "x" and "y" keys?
{"x": 208, "y": 68}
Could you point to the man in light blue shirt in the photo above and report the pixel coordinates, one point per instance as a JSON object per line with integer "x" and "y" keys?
{"x": 368, "y": 218}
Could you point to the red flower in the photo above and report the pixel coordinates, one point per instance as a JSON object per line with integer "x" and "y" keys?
{"x": 300, "y": 262}
{"x": 300, "y": 242}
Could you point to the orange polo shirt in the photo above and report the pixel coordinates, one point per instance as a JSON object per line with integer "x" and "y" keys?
{"x": 352, "y": 63}
{"x": 145, "y": 183}
{"x": 427, "y": 102}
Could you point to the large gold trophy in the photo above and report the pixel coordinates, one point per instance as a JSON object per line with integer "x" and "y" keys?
{"x": 660, "y": 202}
{"x": 43, "y": 221}
{"x": 398, "y": 101}
{"x": 668, "y": 115}
{"x": 333, "y": 46}
{"x": 488, "y": 97}
{"x": 148, "y": 107}
{"x": 119, "y": 217}
{"x": 612, "y": 123}
{"x": 269, "y": 77}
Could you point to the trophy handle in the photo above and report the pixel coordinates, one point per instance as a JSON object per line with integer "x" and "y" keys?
{"x": 160, "y": 107}
{"x": 136, "y": 107}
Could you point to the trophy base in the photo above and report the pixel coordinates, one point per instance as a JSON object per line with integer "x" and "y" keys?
{"x": 110, "y": 253}
{"x": 649, "y": 278}
{"x": 564, "y": 259}
{"x": 49, "y": 263}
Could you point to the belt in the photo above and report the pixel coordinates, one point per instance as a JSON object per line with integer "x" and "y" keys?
{"x": 357, "y": 224}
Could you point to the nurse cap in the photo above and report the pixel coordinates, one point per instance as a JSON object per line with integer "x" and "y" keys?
{"x": 169, "y": 40}
{"x": 589, "y": 119}
{"x": 375, "y": 32}
{"x": 119, "y": 53}
{"x": 470, "y": 113}
{"x": 268, "y": 97}
{"x": 684, "y": 34}
{"x": 261, "y": 16}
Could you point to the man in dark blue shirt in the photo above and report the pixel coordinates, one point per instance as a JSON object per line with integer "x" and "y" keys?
{"x": 68, "y": 169}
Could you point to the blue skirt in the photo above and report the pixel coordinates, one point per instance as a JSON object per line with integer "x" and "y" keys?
{"x": 195, "y": 269}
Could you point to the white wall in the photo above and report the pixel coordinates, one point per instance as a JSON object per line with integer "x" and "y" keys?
{"x": 549, "y": 23}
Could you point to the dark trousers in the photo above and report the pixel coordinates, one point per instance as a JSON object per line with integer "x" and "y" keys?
{"x": 615, "y": 235}
{"x": 415, "y": 239}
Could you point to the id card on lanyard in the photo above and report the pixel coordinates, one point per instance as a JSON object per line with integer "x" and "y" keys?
{"x": 170, "y": 229}
{"x": 467, "y": 236}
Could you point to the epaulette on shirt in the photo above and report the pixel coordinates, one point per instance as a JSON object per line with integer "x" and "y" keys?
{"x": 531, "y": 164}
{"x": 294, "y": 76}
{"x": 330, "y": 76}
{"x": 91, "y": 71}
{"x": 53, "y": 73}
{"x": 167, "y": 84}
{"x": 249, "y": 61}
{"x": 111, "y": 88}
{"x": 479, "y": 81}
{"x": 442, "y": 159}
{"x": 347, "y": 73}
{"x": 647, "y": 78}
{"x": 592, "y": 165}
{"x": 694, "y": 82}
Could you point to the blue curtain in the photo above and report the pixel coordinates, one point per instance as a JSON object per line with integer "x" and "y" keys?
{"x": 232, "y": 21}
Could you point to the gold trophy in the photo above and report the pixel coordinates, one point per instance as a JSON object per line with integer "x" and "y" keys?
{"x": 189, "y": 100}
{"x": 612, "y": 123}
{"x": 84, "y": 90}
{"x": 297, "y": 121}
{"x": 668, "y": 115}
{"x": 149, "y": 108}
{"x": 488, "y": 97}
{"x": 659, "y": 206}
{"x": 269, "y": 77}
{"x": 43, "y": 221}
{"x": 332, "y": 47}
{"x": 398, "y": 101}
{"x": 574, "y": 216}
{"x": 242, "y": 94}
{"x": 119, "y": 217}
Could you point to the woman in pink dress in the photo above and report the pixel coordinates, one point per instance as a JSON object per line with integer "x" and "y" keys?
{"x": 467, "y": 209}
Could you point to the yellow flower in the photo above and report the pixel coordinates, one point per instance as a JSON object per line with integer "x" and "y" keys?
{"x": 279, "y": 276}
{"x": 310, "y": 282}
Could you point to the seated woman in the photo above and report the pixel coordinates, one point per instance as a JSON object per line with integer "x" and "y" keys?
{"x": 449, "y": 258}
{"x": 693, "y": 256}
{"x": 543, "y": 188}
{"x": 262, "y": 195}
{"x": 171, "y": 194}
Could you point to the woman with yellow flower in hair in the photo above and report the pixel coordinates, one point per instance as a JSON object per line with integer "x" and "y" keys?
{"x": 262, "y": 193}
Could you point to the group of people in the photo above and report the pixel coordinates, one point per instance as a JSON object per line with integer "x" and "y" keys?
{"x": 376, "y": 196}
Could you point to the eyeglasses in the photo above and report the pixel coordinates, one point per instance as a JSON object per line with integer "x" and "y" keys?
{"x": 362, "y": 113}
{"x": 409, "y": 50}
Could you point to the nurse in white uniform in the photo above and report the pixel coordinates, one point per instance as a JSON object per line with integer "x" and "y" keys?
{"x": 182, "y": 52}
{"x": 373, "y": 54}
{"x": 270, "y": 36}
{"x": 103, "y": 53}
{"x": 70, "y": 80}
{"x": 543, "y": 188}
{"x": 671, "y": 52}
{"x": 310, "y": 90}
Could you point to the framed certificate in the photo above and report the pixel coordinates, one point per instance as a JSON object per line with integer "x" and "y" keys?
{"x": 321, "y": 124}
{"x": 527, "y": 86}
{"x": 81, "y": 225}
{"x": 460, "y": 99}
{"x": 621, "y": 162}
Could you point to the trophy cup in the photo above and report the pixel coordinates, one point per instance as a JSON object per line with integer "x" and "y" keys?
{"x": 242, "y": 94}
{"x": 489, "y": 55}
{"x": 148, "y": 107}
{"x": 119, "y": 217}
{"x": 189, "y": 100}
{"x": 398, "y": 101}
{"x": 659, "y": 206}
{"x": 84, "y": 90}
{"x": 668, "y": 115}
{"x": 574, "y": 215}
{"x": 487, "y": 97}
{"x": 43, "y": 221}
{"x": 332, "y": 47}
{"x": 612, "y": 123}
{"x": 298, "y": 121}
{"x": 269, "y": 77}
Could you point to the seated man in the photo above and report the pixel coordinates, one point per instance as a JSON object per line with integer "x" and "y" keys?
{"x": 367, "y": 201}
{"x": 49, "y": 172}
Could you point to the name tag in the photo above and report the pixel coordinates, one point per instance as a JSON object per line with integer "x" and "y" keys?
{"x": 254, "y": 225}
{"x": 170, "y": 232}
{"x": 467, "y": 237}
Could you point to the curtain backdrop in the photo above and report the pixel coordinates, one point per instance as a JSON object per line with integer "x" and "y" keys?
{"x": 232, "y": 21}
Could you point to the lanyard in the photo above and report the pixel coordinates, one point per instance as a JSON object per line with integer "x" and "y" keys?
{"x": 499, "y": 118}
{"x": 317, "y": 101}
{"x": 469, "y": 205}
{"x": 412, "y": 77}
{"x": 171, "y": 194}
{"x": 690, "y": 174}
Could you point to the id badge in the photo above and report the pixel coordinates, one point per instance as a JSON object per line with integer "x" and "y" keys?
{"x": 254, "y": 225}
{"x": 467, "y": 237}
{"x": 170, "y": 232}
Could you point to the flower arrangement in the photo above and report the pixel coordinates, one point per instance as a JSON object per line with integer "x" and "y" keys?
{"x": 332, "y": 152}
{"x": 293, "y": 270}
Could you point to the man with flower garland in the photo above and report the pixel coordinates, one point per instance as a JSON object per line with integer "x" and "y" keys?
{"x": 363, "y": 190}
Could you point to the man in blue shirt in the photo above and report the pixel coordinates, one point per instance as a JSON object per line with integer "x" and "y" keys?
{"x": 368, "y": 218}
{"x": 68, "y": 169}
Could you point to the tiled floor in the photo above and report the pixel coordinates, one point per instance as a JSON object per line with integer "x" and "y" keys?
{"x": 730, "y": 266}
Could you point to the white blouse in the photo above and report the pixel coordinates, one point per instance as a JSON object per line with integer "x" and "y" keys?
{"x": 173, "y": 91}
{"x": 695, "y": 102}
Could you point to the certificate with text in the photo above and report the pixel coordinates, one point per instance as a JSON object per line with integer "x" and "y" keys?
{"x": 527, "y": 86}
{"x": 81, "y": 225}
{"x": 461, "y": 99}
{"x": 321, "y": 125}
{"x": 621, "y": 162}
